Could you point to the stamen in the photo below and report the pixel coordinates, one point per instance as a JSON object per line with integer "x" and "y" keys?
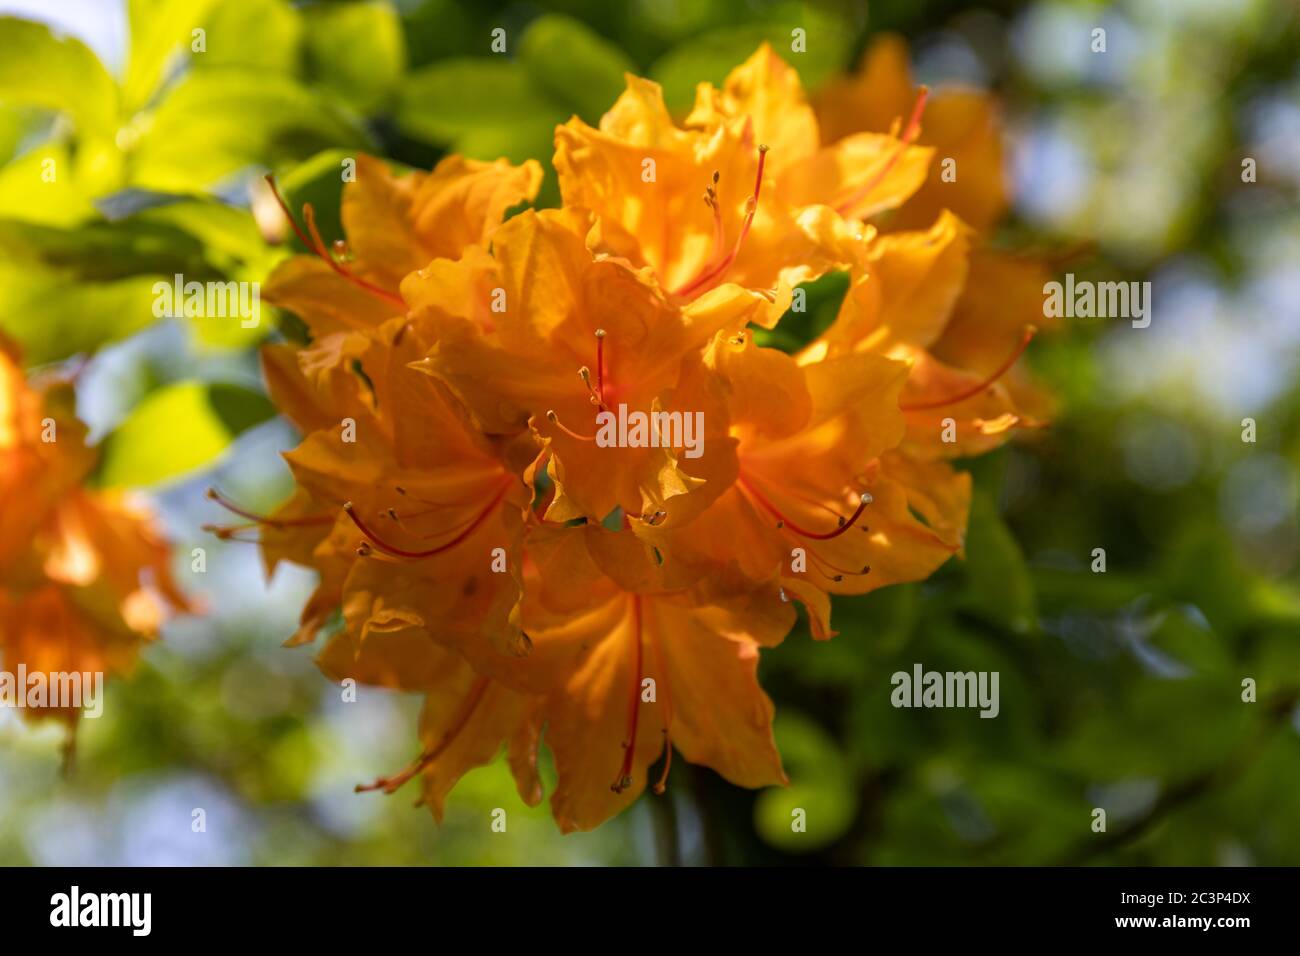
{"x": 910, "y": 133}
{"x": 974, "y": 390}
{"x": 709, "y": 276}
{"x": 834, "y": 571}
{"x": 230, "y": 532}
{"x": 433, "y": 504}
{"x": 711, "y": 200}
{"x": 303, "y": 521}
{"x": 394, "y": 783}
{"x": 624, "y": 778}
{"x": 819, "y": 505}
{"x": 593, "y": 396}
{"x": 651, "y": 519}
{"x": 864, "y": 499}
{"x": 395, "y": 552}
{"x": 662, "y": 783}
{"x": 554, "y": 419}
{"x": 600, "y": 366}
{"x": 401, "y": 523}
{"x": 317, "y": 246}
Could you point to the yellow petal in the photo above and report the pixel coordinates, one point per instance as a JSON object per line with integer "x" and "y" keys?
{"x": 769, "y": 92}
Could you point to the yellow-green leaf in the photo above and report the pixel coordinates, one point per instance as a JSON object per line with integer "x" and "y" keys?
{"x": 56, "y": 73}
{"x": 178, "y": 430}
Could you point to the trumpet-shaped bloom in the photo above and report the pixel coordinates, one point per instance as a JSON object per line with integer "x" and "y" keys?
{"x": 395, "y": 224}
{"x": 577, "y": 336}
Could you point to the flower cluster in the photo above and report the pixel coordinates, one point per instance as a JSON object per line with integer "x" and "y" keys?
{"x": 84, "y": 577}
{"x": 486, "y": 550}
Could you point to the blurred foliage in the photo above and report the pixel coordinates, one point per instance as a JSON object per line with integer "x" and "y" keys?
{"x": 1120, "y": 690}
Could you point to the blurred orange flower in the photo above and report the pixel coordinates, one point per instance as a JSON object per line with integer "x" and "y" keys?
{"x": 84, "y": 577}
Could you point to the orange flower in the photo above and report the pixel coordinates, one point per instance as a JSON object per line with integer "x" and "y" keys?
{"x": 961, "y": 125}
{"x": 84, "y": 577}
{"x": 520, "y": 526}
{"x": 858, "y": 177}
{"x": 394, "y": 225}
{"x": 423, "y": 487}
{"x": 817, "y": 506}
{"x": 628, "y": 671}
{"x": 620, "y": 672}
{"x": 1002, "y": 292}
{"x": 741, "y": 202}
{"x": 962, "y": 396}
{"x": 900, "y": 304}
{"x": 577, "y": 335}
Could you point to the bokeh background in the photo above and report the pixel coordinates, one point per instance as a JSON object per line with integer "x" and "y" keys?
{"x": 1120, "y": 690}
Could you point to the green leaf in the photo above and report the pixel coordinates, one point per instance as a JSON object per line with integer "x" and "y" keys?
{"x": 102, "y": 250}
{"x": 26, "y": 194}
{"x": 822, "y": 299}
{"x": 999, "y": 584}
{"x": 40, "y": 69}
{"x": 216, "y": 122}
{"x": 580, "y": 70}
{"x": 276, "y": 24}
{"x": 484, "y": 108}
{"x": 178, "y": 430}
{"x": 54, "y": 315}
{"x": 820, "y": 796}
{"x": 162, "y": 32}
{"x": 17, "y": 123}
{"x": 357, "y": 50}
{"x": 438, "y": 29}
{"x": 198, "y": 238}
{"x": 229, "y": 237}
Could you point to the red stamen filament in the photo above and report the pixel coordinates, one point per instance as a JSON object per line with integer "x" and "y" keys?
{"x": 231, "y": 532}
{"x": 317, "y": 246}
{"x": 910, "y": 133}
{"x": 709, "y": 276}
{"x": 395, "y": 552}
{"x": 258, "y": 519}
{"x": 433, "y": 504}
{"x": 400, "y": 521}
{"x": 624, "y": 779}
{"x": 662, "y": 784}
{"x": 975, "y": 389}
{"x": 600, "y": 366}
{"x": 834, "y": 571}
{"x": 827, "y": 568}
{"x": 812, "y": 502}
{"x": 417, "y": 766}
{"x": 845, "y": 525}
